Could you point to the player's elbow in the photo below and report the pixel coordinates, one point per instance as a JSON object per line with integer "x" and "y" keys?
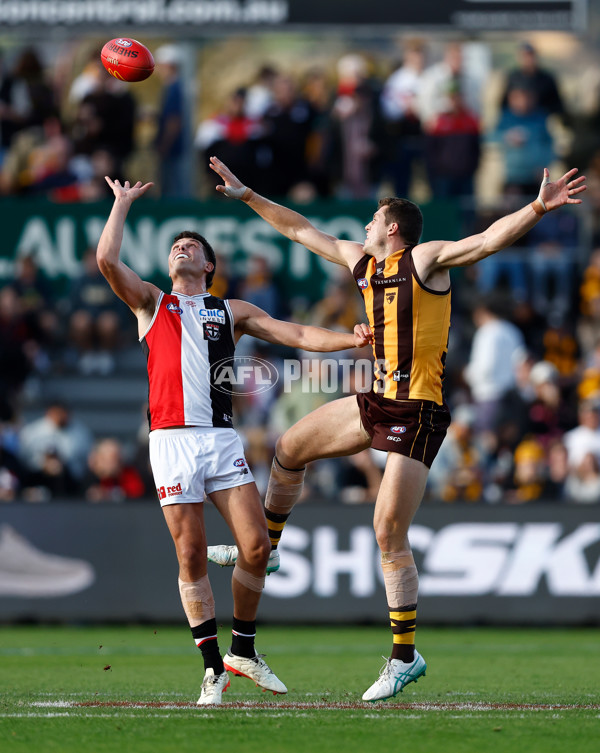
{"x": 106, "y": 265}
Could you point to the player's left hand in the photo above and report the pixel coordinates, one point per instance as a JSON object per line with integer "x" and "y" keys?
{"x": 233, "y": 187}
{"x": 562, "y": 191}
{"x": 362, "y": 335}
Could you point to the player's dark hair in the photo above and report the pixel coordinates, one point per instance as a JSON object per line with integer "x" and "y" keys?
{"x": 206, "y": 247}
{"x": 407, "y": 215}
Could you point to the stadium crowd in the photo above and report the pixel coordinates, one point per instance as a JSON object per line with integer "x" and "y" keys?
{"x": 523, "y": 370}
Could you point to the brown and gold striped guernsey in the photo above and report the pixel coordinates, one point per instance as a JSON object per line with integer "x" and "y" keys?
{"x": 410, "y": 323}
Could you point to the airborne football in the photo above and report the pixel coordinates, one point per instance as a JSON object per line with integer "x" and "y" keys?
{"x": 127, "y": 59}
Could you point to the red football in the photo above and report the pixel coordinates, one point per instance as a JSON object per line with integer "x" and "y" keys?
{"x": 127, "y": 59}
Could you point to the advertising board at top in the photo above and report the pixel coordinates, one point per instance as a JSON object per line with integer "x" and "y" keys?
{"x": 194, "y": 16}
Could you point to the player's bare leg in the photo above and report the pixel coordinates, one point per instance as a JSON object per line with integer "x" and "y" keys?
{"x": 186, "y": 524}
{"x": 243, "y": 512}
{"x": 399, "y": 497}
{"x": 333, "y": 430}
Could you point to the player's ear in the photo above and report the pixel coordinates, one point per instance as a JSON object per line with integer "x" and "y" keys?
{"x": 392, "y": 228}
{"x": 209, "y": 266}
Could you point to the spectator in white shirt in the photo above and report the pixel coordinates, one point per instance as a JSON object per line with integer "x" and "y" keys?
{"x": 584, "y": 438}
{"x": 497, "y": 349}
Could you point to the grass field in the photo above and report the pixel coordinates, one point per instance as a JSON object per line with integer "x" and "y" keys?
{"x": 112, "y": 689}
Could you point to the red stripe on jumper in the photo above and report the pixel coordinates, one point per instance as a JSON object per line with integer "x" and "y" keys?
{"x": 165, "y": 376}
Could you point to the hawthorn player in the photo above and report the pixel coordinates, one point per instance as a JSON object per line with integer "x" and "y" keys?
{"x": 406, "y": 288}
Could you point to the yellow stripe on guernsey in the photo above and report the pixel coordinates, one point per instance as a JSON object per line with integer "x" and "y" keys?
{"x": 431, "y": 323}
{"x": 368, "y": 299}
{"x": 391, "y": 334}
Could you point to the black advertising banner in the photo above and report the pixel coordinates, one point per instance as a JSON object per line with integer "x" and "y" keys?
{"x": 220, "y": 15}
{"x": 498, "y": 565}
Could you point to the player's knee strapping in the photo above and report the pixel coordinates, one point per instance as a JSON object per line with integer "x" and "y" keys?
{"x": 401, "y": 586}
{"x": 284, "y": 490}
{"x": 197, "y": 599}
{"x": 252, "y": 582}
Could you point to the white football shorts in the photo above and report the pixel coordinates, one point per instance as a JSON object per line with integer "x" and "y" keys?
{"x": 187, "y": 463}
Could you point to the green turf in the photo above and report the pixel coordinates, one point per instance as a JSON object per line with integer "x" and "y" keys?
{"x": 46, "y": 672}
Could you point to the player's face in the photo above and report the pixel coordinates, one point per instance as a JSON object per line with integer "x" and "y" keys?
{"x": 185, "y": 254}
{"x": 376, "y": 232}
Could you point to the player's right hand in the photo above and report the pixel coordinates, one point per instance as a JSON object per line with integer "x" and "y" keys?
{"x": 363, "y": 335}
{"x": 233, "y": 187}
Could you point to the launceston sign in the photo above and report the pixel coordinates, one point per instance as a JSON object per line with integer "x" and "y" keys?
{"x": 192, "y": 16}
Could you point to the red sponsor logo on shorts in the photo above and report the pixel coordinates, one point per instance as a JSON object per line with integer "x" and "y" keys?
{"x": 169, "y": 491}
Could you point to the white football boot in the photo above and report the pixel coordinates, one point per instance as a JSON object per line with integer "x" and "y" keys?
{"x": 213, "y": 687}
{"x": 394, "y": 676}
{"x": 255, "y": 669}
{"x": 226, "y": 556}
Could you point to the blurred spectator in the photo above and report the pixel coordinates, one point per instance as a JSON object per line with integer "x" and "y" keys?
{"x": 457, "y": 473}
{"x": 548, "y": 414}
{"x": 55, "y": 439}
{"x": 433, "y": 92}
{"x": 585, "y": 437}
{"x": 37, "y": 303}
{"x": 259, "y": 95}
{"x": 26, "y": 97}
{"x": 339, "y": 309}
{"x": 89, "y": 80}
{"x": 529, "y": 76}
{"x": 453, "y": 148}
{"x": 558, "y": 469}
{"x": 560, "y": 348}
{"x": 526, "y": 143}
{"x": 354, "y": 119}
{"x": 583, "y": 482}
{"x": 401, "y": 122}
{"x": 317, "y": 89}
{"x": 259, "y": 455}
{"x": 258, "y": 287}
{"x": 17, "y": 344}
{"x": 231, "y": 136}
{"x": 104, "y": 122}
{"x": 97, "y": 319}
{"x": 39, "y": 160}
{"x": 497, "y": 348}
{"x": 529, "y": 478}
{"x": 288, "y": 123}
{"x": 172, "y": 128}
{"x": 588, "y": 324}
{"x": 554, "y": 245}
{"x": 111, "y": 479}
{"x": 359, "y": 478}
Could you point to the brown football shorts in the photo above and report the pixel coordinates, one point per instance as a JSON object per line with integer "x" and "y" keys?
{"x": 415, "y": 428}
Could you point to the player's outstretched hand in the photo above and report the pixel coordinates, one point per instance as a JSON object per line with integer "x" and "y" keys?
{"x": 127, "y": 190}
{"x": 233, "y": 187}
{"x": 362, "y": 335}
{"x": 557, "y": 194}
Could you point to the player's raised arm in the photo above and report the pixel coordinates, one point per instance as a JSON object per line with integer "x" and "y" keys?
{"x": 288, "y": 222}
{"x": 130, "y": 288}
{"x": 436, "y": 255}
{"x": 251, "y": 320}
